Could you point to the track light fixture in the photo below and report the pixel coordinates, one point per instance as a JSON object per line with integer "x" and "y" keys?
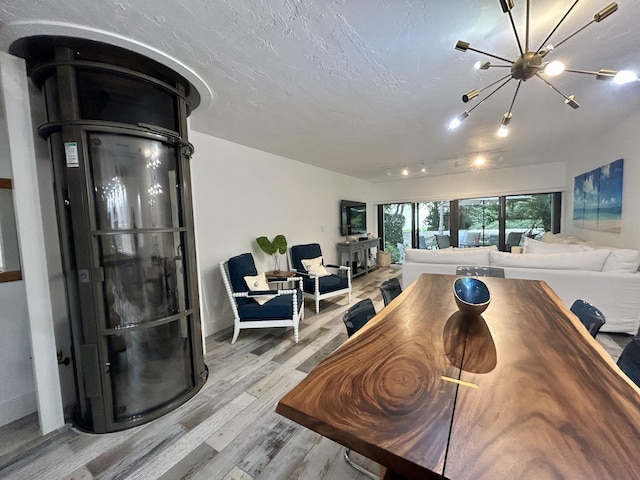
{"x": 531, "y": 64}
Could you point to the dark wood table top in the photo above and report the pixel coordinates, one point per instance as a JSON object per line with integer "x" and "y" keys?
{"x": 521, "y": 392}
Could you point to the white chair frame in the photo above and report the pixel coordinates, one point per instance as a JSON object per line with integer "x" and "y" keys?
{"x": 298, "y": 310}
{"x": 317, "y": 296}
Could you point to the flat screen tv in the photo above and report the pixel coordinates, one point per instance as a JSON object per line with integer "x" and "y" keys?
{"x": 353, "y": 217}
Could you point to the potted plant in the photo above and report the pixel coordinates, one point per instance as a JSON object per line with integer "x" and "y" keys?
{"x": 273, "y": 247}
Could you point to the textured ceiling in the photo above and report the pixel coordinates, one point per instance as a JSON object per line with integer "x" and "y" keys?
{"x": 366, "y": 88}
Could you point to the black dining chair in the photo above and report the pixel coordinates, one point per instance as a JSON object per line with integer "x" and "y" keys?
{"x": 390, "y": 289}
{"x": 590, "y": 316}
{"x": 629, "y": 360}
{"x": 513, "y": 240}
{"x": 357, "y": 316}
{"x": 354, "y": 319}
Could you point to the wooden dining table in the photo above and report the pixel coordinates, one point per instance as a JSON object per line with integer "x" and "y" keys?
{"x": 520, "y": 392}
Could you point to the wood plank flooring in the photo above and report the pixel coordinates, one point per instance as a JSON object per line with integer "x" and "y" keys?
{"x": 229, "y": 430}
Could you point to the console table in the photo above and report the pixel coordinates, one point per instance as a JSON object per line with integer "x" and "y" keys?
{"x": 357, "y": 255}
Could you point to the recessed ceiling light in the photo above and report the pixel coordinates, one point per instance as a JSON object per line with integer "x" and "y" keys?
{"x": 405, "y": 171}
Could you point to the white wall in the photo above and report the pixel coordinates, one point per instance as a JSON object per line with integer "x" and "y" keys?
{"x": 240, "y": 193}
{"x": 29, "y": 304}
{"x": 541, "y": 178}
{"x": 17, "y": 395}
{"x": 619, "y": 141}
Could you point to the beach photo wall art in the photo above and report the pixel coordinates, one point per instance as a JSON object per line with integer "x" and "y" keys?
{"x": 597, "y": 198}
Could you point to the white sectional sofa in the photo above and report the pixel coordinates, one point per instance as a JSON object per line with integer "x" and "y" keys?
{"x": 605, "y": 277}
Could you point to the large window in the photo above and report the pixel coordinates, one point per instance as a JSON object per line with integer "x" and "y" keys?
{"x": 470, "y": 222}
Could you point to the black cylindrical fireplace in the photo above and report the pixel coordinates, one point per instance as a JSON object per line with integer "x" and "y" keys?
{"x": 117, "y": 131}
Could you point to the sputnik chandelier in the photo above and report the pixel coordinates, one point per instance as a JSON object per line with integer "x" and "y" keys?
{"x": 531, "y": 63}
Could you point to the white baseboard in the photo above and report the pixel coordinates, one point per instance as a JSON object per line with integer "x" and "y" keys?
{"x": 16, "y": 408}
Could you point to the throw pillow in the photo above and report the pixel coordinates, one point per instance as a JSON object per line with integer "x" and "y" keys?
{"x": 593, "y": 260}
{"x": 314, "y": 266}
{"x": 259, "y": 283}
{"x": 622, "y": 260}
{"x": 450, "y": 256}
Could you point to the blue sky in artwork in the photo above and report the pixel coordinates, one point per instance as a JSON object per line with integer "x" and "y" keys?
{"x": 601, "y": 187}
{"x": 610, "y": 185}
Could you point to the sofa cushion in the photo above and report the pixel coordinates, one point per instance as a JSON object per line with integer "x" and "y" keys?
{"x": 455, "y": 256}
{"x": 279, "y": 307}
{"x": 592, "y": 260}
{"x": 622, "y": 260}
{"x": 536, "y": 246}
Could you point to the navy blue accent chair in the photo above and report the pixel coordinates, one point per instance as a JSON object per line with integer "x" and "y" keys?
{"x": 590, "y": 316}
{"x": 629, "y": 360}
{"x": 390, "y": 289}
{"x": 320, "y": 288}
{"x": 285, "y": 309}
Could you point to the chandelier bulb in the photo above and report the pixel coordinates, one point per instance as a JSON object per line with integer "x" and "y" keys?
{"x": 455, "y": 123}
{"x": 503, "y": 131}
{"x": 554, "y": 68}
{"x": 625, "y": 76}
{"x": 479, "y": 65}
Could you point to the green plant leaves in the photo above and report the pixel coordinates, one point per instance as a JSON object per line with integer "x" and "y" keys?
{"x": 270, "y": 247}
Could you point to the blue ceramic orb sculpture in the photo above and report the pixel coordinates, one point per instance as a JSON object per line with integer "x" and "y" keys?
{"x": 472, "y": 295}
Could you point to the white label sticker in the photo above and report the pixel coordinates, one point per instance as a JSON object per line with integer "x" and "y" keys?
{"x": 71, "y": 152}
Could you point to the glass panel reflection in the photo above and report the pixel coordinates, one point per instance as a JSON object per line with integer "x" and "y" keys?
{"x": 144, "y": 278}
{"x": 149, "y": 368}
{"x": 117, "y": 98}
{"x": 479, "y": 222}
{"x": 134, "y": 183}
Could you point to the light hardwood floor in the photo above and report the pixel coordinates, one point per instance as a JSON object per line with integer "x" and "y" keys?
{"x": 229, "y": 430}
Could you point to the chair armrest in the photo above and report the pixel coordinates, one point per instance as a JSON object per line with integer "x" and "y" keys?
{"x": 287, "y": 280}
{"x": 282, "y": 279}
{"x": 257, "y": 293}
{"x": 300, "y": 273}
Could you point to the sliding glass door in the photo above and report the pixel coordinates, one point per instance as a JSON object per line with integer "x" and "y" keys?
{"x": 394, "y": 223}
{"x": 471, "y": 222}
{"x": 478, "y": 223}
{"x": 412, "y": 225}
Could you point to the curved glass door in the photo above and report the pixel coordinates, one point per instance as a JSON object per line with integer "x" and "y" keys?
{"x": 144, "y": 291}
